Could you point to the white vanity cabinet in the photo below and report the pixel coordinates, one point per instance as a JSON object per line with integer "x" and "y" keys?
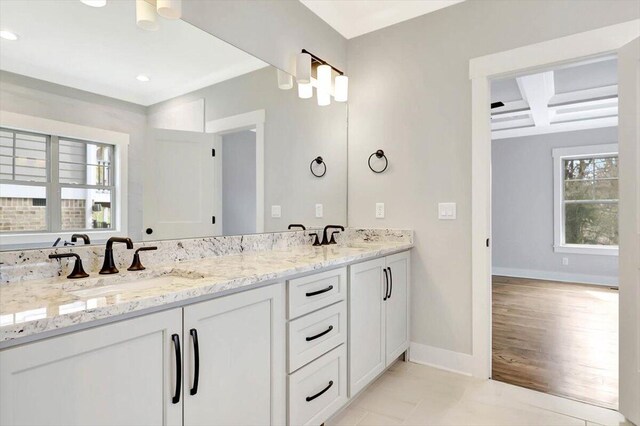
{"x": 142, "y": 371}
{"x": 241, "y": 350}
{"x": 378, "y": 316}
{"x": 119, "y": 374}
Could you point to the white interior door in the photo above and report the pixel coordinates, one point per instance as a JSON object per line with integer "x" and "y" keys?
{"x": 629, "y": 217}
{"x": 180, "y": 185}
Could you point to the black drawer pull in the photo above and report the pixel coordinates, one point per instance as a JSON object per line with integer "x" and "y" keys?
{"x": 324, "y": 290}
{"x": 312, "y": 397}
{"x": 320, "y": 335}
{"x": 386, "y": 284}
{"x": 196, "y": 356}
{"x": 176, "y": 345}
{"x": 390, "y": 283}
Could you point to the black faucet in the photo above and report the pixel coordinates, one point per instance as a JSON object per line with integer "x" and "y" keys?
{"x": 109, "y": 266}
{"x": 84, "y": 237}
{"x": 136, "y": 265}
{"x": 78, "y": 271}
{"x": 325, "y": 237}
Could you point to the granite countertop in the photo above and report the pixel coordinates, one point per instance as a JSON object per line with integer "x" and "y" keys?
{"x": 34, "y": 307}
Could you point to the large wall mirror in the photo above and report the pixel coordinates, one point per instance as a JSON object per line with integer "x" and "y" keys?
{"x": 109, "y": 129}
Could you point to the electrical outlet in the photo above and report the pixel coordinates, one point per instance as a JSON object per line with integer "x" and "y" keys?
{"x": 319, "y": 210}
{"x": 565, "y": 261}
{"x": 379, "y": 210}
{"x": 276, "y": 211}
{"x": 446, "y": 211}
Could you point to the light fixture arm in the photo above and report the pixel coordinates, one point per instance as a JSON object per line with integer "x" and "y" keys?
{"x": 321, "y": 61}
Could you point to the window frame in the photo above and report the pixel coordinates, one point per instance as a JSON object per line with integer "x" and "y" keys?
{"x": 60, "y": 129}
{"x": 559, "y": 155}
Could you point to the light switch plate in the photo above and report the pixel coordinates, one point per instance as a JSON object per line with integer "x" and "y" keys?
{"x": 446, "y": 211}
{"x": 379, "y": 210}
{"x": 319, "y": 210}
{"x": 276, "y": 211}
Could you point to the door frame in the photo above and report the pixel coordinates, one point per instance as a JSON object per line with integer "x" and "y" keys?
{"x": 220, "y": 127}
{"x": 482, "y": 70}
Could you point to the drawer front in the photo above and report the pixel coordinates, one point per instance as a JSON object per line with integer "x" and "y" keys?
{"x": 316, "y": 334}
{"x": 318, "y": 390}
{"x": 308, "y": 294}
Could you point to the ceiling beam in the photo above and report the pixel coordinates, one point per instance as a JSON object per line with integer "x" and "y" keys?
{"x": 537, "y": 90}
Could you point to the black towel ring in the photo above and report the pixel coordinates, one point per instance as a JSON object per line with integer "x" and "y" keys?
{"x": 379, "y": 154}
{"x": 318, "y": 160}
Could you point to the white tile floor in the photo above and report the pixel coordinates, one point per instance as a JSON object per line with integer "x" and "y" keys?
{"x": 413, "y": 394}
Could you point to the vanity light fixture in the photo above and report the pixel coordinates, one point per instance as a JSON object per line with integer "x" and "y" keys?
{"x": 8, "y": 35}
{"x": 285, "y": 80}
{"x": 170, "y": 9}
{"x": 143, "y": 78}
{"x": 146, "y": 15}
{"x": 94, "y": 3}
{"x": 306, "y": 62}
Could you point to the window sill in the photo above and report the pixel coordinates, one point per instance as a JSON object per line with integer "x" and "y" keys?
{"x": 46, "y": 239}
{"x": 587, "y": 249}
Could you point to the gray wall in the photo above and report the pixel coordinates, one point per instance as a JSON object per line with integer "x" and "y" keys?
{"x": 522, "y": 215}
{"x": 29, "y": 96}
{"x": 296, "y": 131}
{"x": 273, "y": 30}
{"x": 410, "y": 94}
{"x": 239, "y": 183}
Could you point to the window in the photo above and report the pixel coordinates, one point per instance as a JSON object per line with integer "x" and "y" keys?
{"x": 51, "y": 183}
{"x": 586, "y": 199}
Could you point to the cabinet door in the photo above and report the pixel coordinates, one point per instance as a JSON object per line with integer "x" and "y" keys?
{"x": 366, "y": 323}
{"x": 118, "y": 374}
{"x": 397, "y": 306}
{"x": 241, "y": 342}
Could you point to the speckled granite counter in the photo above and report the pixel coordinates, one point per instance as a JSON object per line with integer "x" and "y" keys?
{"x": 30, "y": 308}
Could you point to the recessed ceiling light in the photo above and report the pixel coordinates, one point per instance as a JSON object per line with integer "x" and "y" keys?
{"x": 142, "y": 77}
{"x": 8, "y": 35}
{"x": 95, "y": 3}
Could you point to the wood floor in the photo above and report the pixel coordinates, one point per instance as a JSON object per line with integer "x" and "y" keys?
{"x": 558, "y": 338}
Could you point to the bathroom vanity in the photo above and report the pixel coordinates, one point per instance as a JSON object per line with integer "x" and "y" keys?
{"x": 279, "y": 336}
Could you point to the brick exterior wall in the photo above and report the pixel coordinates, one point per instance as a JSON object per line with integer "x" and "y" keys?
{"x": 19, "y": 214}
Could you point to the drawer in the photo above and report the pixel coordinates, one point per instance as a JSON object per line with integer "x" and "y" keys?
{"x": 310, "y": 293}
{"x": 318, "y": 390}
{"x": 316, "y": 334}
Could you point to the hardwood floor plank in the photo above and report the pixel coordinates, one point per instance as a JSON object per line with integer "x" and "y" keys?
{"x": 556, "y": 337}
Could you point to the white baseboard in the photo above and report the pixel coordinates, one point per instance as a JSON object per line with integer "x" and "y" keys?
{"x": 443, "y": 359}
{"x": 557, "y": 276}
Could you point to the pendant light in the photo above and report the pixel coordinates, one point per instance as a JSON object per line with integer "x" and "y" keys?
{"x": 146, "y": 15}
{"x": 305, "y": 91}
{"x": 303, "y": 68}
{"x": 324, "y": 85}
{"x": 285, "y": 80}
{"x": 342, "y": 88}
{"x": 170, "y": 9}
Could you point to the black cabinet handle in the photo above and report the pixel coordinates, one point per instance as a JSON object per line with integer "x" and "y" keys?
{"x": 320, "y": 335}
{"x": 196, "y": 356}
{"x": 386, "y": 284}
{"x": 315, "y": 293}
{"x": 312, "y": 397}
{"x": 176, "y": 345}
{"x": 390, "y": 283}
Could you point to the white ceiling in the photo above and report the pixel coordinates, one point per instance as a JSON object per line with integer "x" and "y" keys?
{"x": 352, "y": 18}
{"x": 101, "y": 50}
{"x": 576, "y": 96}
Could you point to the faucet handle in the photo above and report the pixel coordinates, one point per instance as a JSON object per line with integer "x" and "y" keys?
{"x": 78, "y": 270}
{"x": 136, "y": 265}
{"x": 316, "y": 241}
{"x": 333, "y": 237}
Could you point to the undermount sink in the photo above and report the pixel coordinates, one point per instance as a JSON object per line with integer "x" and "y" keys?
{"x": 162, "y": 279}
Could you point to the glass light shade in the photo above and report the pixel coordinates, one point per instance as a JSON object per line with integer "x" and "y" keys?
{"x": 170, "y": 9}
{"x": 324, "y": 98}
{"x": 146, "y": 15}
{"x": 285, "y": 80}
{"x": 324, "y": 85}
{"x": 95, "y": 3}
{"x": 342, "y": 88}
{"x": 303, "y": 68}
{"x": 305, "y": 91}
